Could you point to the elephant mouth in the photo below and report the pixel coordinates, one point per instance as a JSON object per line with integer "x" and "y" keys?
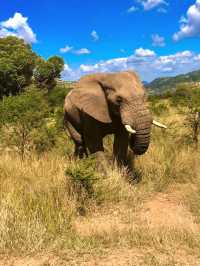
{"x": 154, "y": 122}
{"x": 140, "y": 137}
{"x": 139, "y": 143}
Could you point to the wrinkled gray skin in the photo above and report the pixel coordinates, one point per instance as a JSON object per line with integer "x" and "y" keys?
{"x": 103, "y": 104}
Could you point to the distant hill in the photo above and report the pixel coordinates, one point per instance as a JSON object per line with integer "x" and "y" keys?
{"x": 160, "y": 85}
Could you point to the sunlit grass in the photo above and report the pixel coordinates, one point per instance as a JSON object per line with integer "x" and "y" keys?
{"x": 55, "y": 203}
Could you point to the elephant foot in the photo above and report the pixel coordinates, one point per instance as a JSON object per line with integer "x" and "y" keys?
{"x": 80, "y": 152}
{"x": 134, "y": 176}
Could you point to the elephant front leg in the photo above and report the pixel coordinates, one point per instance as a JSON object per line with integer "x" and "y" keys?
{"x": 94, "y": 144}
{"x": 101, "y": 162}
{"x": 120, "y": 147}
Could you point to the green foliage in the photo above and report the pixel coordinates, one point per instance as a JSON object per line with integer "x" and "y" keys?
{"x": 160, "y": 85}
{"x": 159, "y": 109}
{"x": 56, "y": 96}
{"x": 44, "y": 139}
{"x": 187, "y": 97}
{"x": 47, "y": 71}
{"x": 17, "y": 62}
{"x": 56, "y": 99}
{"x": 58, "y": 65}
{"x": 188, "y": 102}
{"x": 20, "y": 115}
{"x": 83, "y": 174}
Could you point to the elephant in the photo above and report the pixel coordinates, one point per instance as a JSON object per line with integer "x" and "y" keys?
{"x": 109, "y": 103}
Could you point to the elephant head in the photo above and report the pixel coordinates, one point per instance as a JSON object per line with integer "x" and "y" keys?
{"x": 106, "y": 96}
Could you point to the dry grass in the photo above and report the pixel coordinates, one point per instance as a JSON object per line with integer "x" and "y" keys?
{"x": 35, "y": 206}
{"x": 115, "y": 222}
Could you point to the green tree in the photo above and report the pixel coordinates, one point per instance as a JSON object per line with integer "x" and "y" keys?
{"x": 17, "y": 62}
{"x": 46, "y": 72}
{"x": 58, "y": 65}
{"x": 20, "y": 116}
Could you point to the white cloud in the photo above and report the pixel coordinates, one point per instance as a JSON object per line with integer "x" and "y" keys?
{"x": 69, "y": 74}
{"x": 82, "y": 51}
{"x": 66, "y": 49}
{"x": 71, "y": 49}
{"x": 150, "y": 4}
{"x": 158, "y": 40}
{"x": 115, "y": 64}
{"x": 19, "y": 27}
{"x": 123, "y": 51}
{"x": 141, "y": 52}
{"x": 94, "y": 35}
{"x": 197, "y": 58}
{"x": 149, "y": 67}
{"x": 162, "y": 10}
{"x": 189, "y": 25}
{"x": 132, "y": 9}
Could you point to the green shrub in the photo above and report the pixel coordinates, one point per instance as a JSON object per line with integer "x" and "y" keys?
{"x": 21, "y": 115}
{"x": 44, "y": 139}
{"x": 56, "y": 96}
{"x": 159, "y": 109}
{"x": 83, "y": 174}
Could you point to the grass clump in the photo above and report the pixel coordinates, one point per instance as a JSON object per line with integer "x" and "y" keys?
{"x": 83, "y": 174}
{"x": 35, "y": 209}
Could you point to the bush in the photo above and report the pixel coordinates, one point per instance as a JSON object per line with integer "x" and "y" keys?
{"x": 20, "y": 116}
{"x": 159, "y": 109}
{"x": 83, "y": 174}
{"x": 44, "y": 139}
{"x": 56, "y": 97}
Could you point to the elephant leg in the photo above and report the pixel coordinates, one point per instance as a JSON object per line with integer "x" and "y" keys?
{"x": 95, "y": 147}
{"x": 94, "y": 142}
{"x": 80, "y": 151}
{"x": 80, "y": 148}
{"x": 120, "y": 147}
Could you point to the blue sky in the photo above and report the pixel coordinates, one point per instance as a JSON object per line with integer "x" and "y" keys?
{"x": 154, "y": 37}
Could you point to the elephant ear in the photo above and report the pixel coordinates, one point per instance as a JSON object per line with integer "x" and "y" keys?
{"x": 89, "y": 97}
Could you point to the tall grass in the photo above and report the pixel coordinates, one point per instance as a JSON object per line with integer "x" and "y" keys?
{"x": 35, "y": 207}
{"x": 43, "y": 199}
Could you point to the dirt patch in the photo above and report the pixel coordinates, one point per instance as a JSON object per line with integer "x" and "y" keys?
{"x": 120, "y": 219}
{"x": 122, "y": 257}
{"x": 134, "y": 257}
{"x": 166, "y": 210}
{"x": 38, "y": 260}
{"x": 100, "y": 225}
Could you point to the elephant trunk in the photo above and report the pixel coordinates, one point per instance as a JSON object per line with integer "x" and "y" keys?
{"x": 140, "y": 120}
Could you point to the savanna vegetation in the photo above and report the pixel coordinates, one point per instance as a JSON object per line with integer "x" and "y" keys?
{"x": 55, "y": 210}
{"x": 161, "y": 85}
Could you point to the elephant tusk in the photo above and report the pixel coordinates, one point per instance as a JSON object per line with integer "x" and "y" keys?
{"x": 129, "y": 129}
{"x": 155, "y": 123}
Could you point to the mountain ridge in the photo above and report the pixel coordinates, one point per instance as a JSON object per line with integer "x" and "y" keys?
{"x": 160, "y": 85}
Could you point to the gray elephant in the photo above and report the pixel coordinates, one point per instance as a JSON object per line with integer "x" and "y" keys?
{"x": 109, "y": 103}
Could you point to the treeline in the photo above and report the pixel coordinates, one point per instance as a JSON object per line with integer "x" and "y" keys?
{"x": 31, "y": 102}
{"x": 21, "y": 67}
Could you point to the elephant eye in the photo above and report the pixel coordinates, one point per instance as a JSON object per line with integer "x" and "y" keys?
{"x": 119, "y": 100}
{"x": 111, "y": 89}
